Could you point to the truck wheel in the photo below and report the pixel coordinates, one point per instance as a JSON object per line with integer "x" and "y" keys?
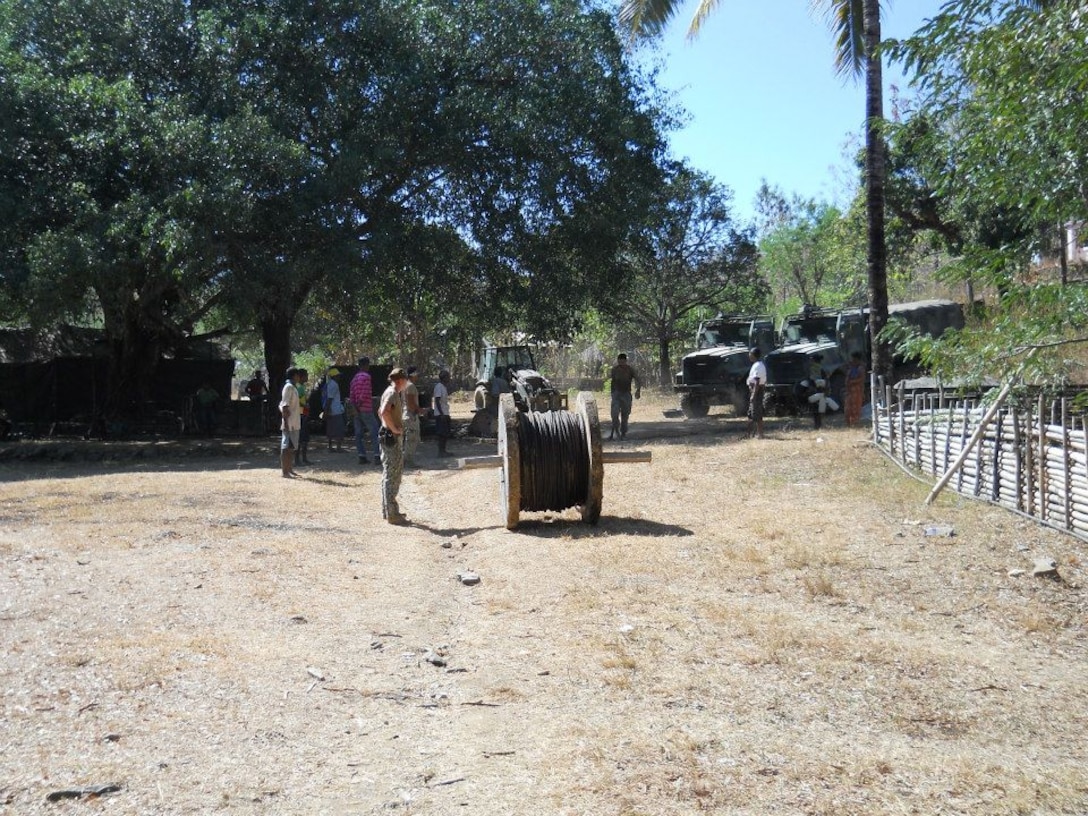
{"x": 694, "y": 407}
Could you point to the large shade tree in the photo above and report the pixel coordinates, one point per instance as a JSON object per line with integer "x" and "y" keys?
{"x": 855, "y": 26}
{"x": 166, "y": 158}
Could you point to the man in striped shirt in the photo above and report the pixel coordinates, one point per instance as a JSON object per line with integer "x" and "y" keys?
{"x": 361, "y": 396}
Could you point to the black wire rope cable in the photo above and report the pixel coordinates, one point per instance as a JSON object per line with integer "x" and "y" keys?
{"x": 554, "y": 460}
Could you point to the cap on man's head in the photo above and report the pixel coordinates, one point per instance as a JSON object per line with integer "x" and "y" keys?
{"x": 397, "y": 373}
{"x": 364, "y": 361}
{"x": 412, "y": 371}
{"x": 334, "y": 372}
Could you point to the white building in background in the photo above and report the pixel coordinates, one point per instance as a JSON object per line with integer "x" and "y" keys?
{"x": 1076, "y": 242}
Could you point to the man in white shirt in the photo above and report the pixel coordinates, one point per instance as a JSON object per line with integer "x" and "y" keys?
{"x": 291, "y": 423}
{"x": 757, "y": 381}
{"x": 440, "y": 398}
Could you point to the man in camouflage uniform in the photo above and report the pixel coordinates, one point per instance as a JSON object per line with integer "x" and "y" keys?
{"x": 391, "y": 439}
{"x": 622, "y": 378}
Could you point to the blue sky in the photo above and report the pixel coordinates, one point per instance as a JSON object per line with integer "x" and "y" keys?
{"x": 764, "y": 101}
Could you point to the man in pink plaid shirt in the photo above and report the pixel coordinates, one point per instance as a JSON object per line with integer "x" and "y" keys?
{"x": 361, "y": 396}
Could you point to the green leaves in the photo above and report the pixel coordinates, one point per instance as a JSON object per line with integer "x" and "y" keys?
{"x": 994, "y": 160}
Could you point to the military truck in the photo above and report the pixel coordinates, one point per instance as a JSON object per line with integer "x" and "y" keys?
{"x": 717, "y": 372}
{"x": 834, "y": 335}
{"x": 932, "y": 317}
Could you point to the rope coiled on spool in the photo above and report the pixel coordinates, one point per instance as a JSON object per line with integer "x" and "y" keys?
{"x": 554, "y": 460}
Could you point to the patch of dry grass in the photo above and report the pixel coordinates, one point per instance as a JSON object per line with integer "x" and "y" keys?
{"x": 756, "y": 627}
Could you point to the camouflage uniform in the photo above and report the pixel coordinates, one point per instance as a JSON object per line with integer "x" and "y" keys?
{"x": 623, "y": 376}
{"x": 392, "y": 456}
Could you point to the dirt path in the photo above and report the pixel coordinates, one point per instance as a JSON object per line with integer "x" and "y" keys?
{"x": 754, "y": 627}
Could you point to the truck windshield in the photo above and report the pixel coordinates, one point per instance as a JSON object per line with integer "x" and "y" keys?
{"x": 724, "y": 334}
{"x": 811, "y": 330}
{"x": 514, "y": 358}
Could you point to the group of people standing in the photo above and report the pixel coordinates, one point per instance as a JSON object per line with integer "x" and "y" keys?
{"x": 813, "y": 389}
{"x": 392, "y": 430}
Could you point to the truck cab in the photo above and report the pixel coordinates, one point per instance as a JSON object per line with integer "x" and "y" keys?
{"x": 833, "y": 335}
{"x": 717, "y": 372}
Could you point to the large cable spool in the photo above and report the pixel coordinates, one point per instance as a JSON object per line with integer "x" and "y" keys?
{"x": 551, "y": 460}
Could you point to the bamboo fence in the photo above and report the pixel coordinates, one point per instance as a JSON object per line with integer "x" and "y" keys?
{"x": 1031, "y": 460}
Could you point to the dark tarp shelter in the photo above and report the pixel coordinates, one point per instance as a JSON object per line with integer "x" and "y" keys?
{"x": 61, "y": 376}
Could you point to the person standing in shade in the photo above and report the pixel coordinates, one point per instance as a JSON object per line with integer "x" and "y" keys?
{"x": 412, "y": 413}
{"x": 361, "y": 396}
{"x": 855, "y": 389}
{"x": 757, "y": 381}
{"x": 441, "y": 401}
{"x": 256, "y": 390}
{"x": 391, "y": 437}
{"x": 290, "y": 422}
{"x": 335, "y": 427}
{"x": 622, "y": 378}
{"x": 303, "y": 388}
{"x": 206, "y": 400}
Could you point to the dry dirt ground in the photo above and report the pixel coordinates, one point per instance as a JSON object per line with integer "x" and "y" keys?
{"x": 754, "y": 627}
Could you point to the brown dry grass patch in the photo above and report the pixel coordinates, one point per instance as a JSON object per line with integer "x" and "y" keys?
{"x": 753, "y": 627}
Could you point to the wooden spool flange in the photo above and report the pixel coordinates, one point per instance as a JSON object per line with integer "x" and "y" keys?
{"x": 510, "y": 452}
{"x": 587, "y": 409}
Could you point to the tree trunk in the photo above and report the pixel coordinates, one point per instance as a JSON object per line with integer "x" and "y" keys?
{"x": 664, "y": 362}
{"x": 1063, "y": 256}
{"x": 134, "y": 358}
{"x": 276, "y": 335}
{"x": 134, "y": 349}
{"x": 874, "y": 188}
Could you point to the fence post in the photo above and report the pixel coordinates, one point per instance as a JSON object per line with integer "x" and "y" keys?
{"x": 1044, "y": 486}
{"x": 1067, "y": 466}
{"x": 901, "y": 405}
{"x": 932, "y": 438}
{"x": 1017, "y": 460}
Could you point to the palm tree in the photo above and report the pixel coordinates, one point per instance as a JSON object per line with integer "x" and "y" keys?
{"x": 855, "y": 27}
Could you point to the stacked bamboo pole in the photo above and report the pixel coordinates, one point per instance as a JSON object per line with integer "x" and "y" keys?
{"x": 1034, "y": 462}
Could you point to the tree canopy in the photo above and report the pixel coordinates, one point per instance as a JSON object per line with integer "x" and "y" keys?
{"x": 689, "y": 256}
{"x": 994, "y": 159}
{"x": 165, "y": 159}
